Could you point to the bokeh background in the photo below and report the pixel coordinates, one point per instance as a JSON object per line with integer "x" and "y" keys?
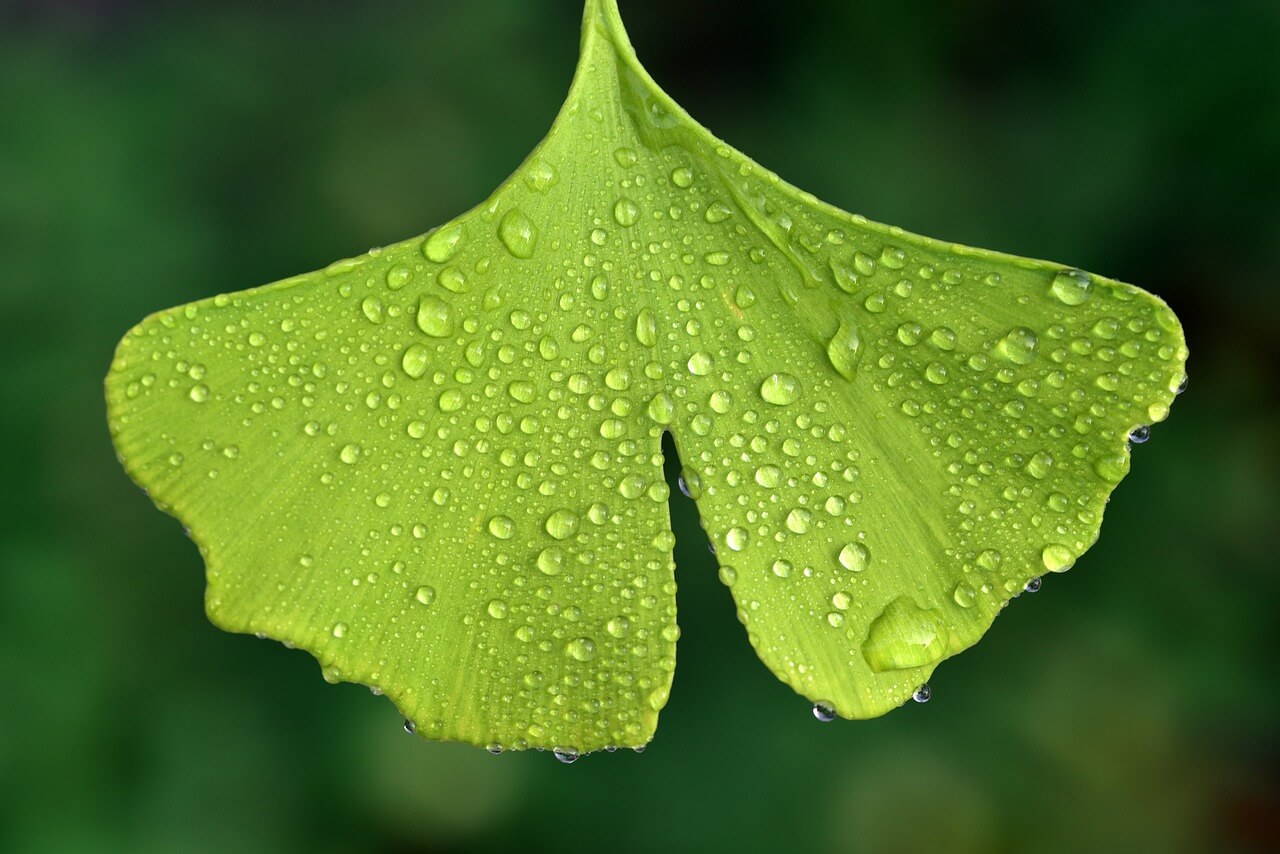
{"x": 156, "y": 153}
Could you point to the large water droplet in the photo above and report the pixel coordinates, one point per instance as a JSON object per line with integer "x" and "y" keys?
{"x": 780, "y": 389}
{"x": 855, "y": 557}
{"x": 626, "y": 213}
{"x": 844, "y": 349}
{"x": 1071, "y": 287}
{"x": 443, "y": 244}
{"x": 562, "y": 524}
{"x": 434, "y": 317}
{"x": 1019, "y": 346}
{"x": 415, "y": 361}
{"x": 518, "y": 234}
{"x": 581, "y": 649}
{"x": 905, "y": 636}
{"x": 1057, "y": 558}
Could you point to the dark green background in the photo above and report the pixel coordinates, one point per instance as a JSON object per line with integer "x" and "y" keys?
{"x": 151, "y": 155}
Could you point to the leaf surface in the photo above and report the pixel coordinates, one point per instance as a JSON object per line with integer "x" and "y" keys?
{"x": 437, "y": 467}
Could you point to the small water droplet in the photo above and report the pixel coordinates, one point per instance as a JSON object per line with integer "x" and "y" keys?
{"x": 1033, "y": 586}
{"x": 562, "y": 524}
{"x": 410, "y": 727}
{"x": 425, "y": 595}
{"x": 923, "y": 694}
{"x": 1019, "y": 346}
{"x": 626, "y": 213}
{"x": 1140, "y": 435}
{"x": 824, "y": 712}
{"x": 567, "y": 755}
{"x": 415, "y": 361}
{"x": 581, "y": 649}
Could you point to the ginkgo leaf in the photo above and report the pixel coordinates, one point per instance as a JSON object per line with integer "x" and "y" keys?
{"x": 438, "y": 468}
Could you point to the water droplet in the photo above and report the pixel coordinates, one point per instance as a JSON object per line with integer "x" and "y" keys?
{"x": 662, "y": 409}
{"x": 700, "y": 364}
{"x": 824, "y": 712}
{"x": 768, "y": 476}
{"x": 502, "y": 527}
{"x": 541, "y": 176}
{"x": 646, "y": 328}
{"x": 452, "y": 279}
{"x": 736, "y": 539}
{"x": 1033, "y": 586}
{"x": 425, "y": 595}
{"x": 1140, "y": 435}
{"x": 568, "y": 756}
{"x": 718, "y": 212}
{"x": 1071, "y": 287}
{"x": 618, "y": 627}
{"x": 798, "y": 520}
{"x": 626, "y": 213}
{"x": 350, "y": 454}
{"x": 682, "y": 177}
{"x": 415, "y": 361}
{"x": 1019, "y": 346}
{"x": 550, "y": 561}
{"x": 518, "y": 234}
{"x": 625, "y": 157}
{"x": 581, "y": 649}
{"x": 1057, "y": 558}
{"x": 905, "y": 636}
{"x": 372, "y": 309}
{"x": 780, "y": 389}
{"x": 199, "y": 393}
{"x": 844, "y": 350}
{"x": 855, "y": 557}
{"x": 562, "y": 524}
{"x": 497, "y": 609}
{"x": 434, "y": 317}
{"x": 339, "y": 630}
{"x": 443, "y": 244}
{"x": 923, "y": 694}
{"x": 410, "y": 727}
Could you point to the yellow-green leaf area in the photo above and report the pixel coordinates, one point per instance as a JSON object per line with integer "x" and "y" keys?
{"x": 438, "y": 467}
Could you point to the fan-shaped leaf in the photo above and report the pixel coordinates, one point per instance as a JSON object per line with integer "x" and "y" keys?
{"x": 437, "y": 467}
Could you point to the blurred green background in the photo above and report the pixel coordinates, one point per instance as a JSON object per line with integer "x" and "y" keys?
{"x": 152, "y": 154}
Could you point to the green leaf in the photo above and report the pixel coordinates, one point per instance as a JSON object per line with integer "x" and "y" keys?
{"x": 437, "y": 467}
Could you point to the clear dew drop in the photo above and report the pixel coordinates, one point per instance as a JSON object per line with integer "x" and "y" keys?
{"x": 855, "y": 557}
{"x": 550, "y": 561}
{"x": 1034, "y": 585}
{"x": 682, "y": 177}
{"x": 700, "y": 364}
{"x": 425, "y": 595}
{"x": 1071, "y": 287}
{"x": 736, "y": 539}
{"x": 497, "y": 609}
{"x": 1057, "y": 558}
{"x": 625, "y": 213}
{"x": 923, "y": 694}
{"x": 339, "y": 630}
{"x": 646, "y": 328}
{"x": 541, "y": 176}
{"x": 350, "y": 454}
{"x": 581, "y": 649}
{"x": 443, "y": 244}
{"x": 1140, "y": 435}
{"x": 410, "y": 727}
{"x": 1019, "y": 346}
{"x": 824, "y": 712}
{"x": 780, "y": 389}
{"x": 905, "y": 635}
{"x": 566, "y": 755}
{"x": 415, "y": 361}
{"x": 844, "y": 350}
{"x": 768, "y": 476}
{"x": 502, "y": 527}
{"x": 562, "y": 524}
{"x": 518, "y": 233}
{"x": 434, "y": 317}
